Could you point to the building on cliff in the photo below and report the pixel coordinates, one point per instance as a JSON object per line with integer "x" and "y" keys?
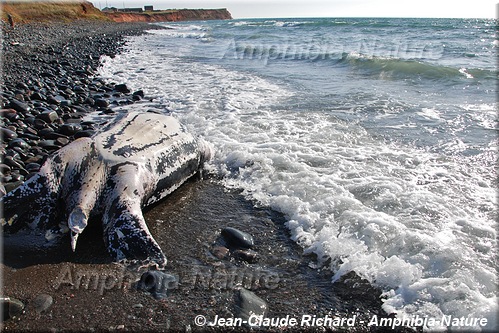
{"x": 123, "y": 10}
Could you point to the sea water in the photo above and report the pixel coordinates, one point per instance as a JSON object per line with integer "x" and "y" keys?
{"x": 376, "y": 138}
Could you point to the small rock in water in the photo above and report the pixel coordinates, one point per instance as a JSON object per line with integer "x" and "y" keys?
{"x": 220, "y": 252}
{"x": 121, "y": 88}
{"x": 42, "y": 302}
{"x": 250, "y": 305}
{"x": 101, "y": 103}
{"x": 237, "y": 238}
{"x": 246, "y": 255}
{"x": 139, "y": 93}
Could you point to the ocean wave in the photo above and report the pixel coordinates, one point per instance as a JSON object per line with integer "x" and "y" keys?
{"x": 387, "y": 67}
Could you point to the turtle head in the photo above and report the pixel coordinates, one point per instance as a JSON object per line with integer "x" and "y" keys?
{"x": 77, "y": 222}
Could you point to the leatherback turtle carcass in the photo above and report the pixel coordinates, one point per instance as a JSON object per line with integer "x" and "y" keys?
{"x": 134, "y": 161}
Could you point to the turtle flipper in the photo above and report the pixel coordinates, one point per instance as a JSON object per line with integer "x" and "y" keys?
{"x": 127, "y": 237}
{"x": 125, "y": 230}
{"x": 31, "y": 204}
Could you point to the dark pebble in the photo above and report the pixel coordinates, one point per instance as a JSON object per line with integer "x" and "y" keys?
{"x": 237, "y": 238}
{"x": 66, "y": 102}
{"x": 49, "y": 144}
{"x": 33, "y": 167}
{"x": 38, "y": 97}
{"x": 40, "y": 124}
{"x": 18, "y": 143}
{"x": 19, "y": 106}
{"x": 53, "y": 100}
{"x": 139, "y": 93}
{"x": 246, "y": 255}
{"x": 79, "y": 90}
{"x": 62, "y": 141}
{"x": 19, "y": 153}
{"x": 49, "y": 116}
{"x": 12, "y": 185}
{"x": 7, "y": 133}
{"x": 22, "y": 85}
{"x": 4, "y": 168}
{"x": 250, "y": 305}
{"x": 50, "y": 134}
{"x": 70, "y": 128}
{"x": 17, "y": 177}
{"x": 84, "y": 134}
{"x": 46, "y": 132}
{"x": 30, "y": 136}
{"x": 101, "y": 103}
{"x": 89, "y": 101}
{"x": 121, "y": 88}
{"x": 10, "y": 114}
{"x": 220, "y": 252}
{"x": 38, "y": 159}
{"x": 12, "y": 163}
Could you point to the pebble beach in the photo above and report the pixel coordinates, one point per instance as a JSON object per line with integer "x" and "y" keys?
{"x": 49, "y": 86}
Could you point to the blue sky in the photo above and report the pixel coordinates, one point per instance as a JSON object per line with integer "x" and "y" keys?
{"x": 326, "y": 8}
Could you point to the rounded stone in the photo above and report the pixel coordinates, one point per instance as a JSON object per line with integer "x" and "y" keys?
{"x": 246, "y": 255}
{"x": 49, "y": 116}
{"x": 4, "y": 168}
{"x": 12, "y": 185}
{"x": 220, "y": 252}
{"x": 84, "y": 134}
{"x": 62, "y": 141}
{"x": 19, "y": 106}
{"x": 237, "y": 238}
{"x": 49, "y": 144}
{"x": 121, "y": 88}
{"x": 7, "y": 133}
{"x": 33, "y": 167}
{"x": 101, "y": 103}
{"x": 70, "y": 128}
{"x": 18, "y": 143}
{"x": 250, "y": 305}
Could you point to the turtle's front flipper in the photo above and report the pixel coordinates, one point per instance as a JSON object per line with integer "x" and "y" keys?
{"x": 125, "y": 230}
{"x": 31, "y": 204}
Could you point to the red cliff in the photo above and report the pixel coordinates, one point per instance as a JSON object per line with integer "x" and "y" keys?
{"x": 171, "y": 15}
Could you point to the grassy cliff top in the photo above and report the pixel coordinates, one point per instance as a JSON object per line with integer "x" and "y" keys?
{"x": 49, "y": 10}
